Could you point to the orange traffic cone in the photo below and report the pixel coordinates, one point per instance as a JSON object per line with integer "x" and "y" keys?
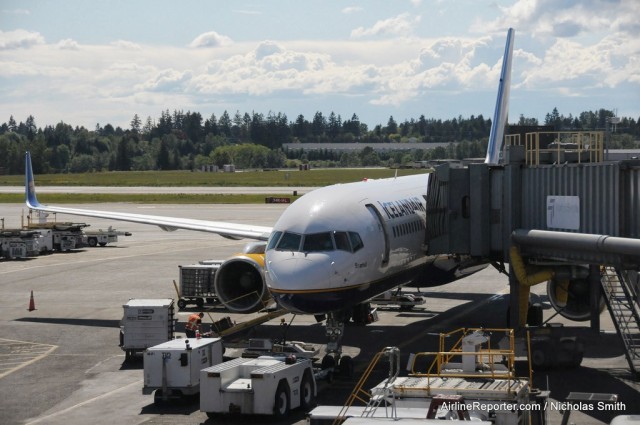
{"x": 32, "y": 303}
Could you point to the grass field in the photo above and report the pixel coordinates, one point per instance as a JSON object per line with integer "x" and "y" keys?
{"x": 295, "y": 178}
{"x": 319, "y": 177}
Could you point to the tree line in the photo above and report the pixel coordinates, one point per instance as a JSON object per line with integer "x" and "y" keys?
{"x": 186, "y": 140}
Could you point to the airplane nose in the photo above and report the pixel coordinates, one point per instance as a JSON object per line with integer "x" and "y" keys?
{"x": 295, "y": 280}
{"x": 290, "y": 271}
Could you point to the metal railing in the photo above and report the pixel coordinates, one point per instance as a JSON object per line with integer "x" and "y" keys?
{"x": 558, "y": 147}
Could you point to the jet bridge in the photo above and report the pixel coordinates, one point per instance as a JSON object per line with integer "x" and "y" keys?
{"x": 557, "y": 212}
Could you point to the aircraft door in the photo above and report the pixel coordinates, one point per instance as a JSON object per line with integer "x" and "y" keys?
{"x": 383, "y": 228}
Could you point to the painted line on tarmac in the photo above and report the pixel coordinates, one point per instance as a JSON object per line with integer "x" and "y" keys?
{"x": 11, "y": 349}
{"x": 91, "y": 400}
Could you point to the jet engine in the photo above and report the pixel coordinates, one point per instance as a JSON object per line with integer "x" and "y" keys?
{"x": 239, "y": 281}
{"x": 571, "y": 297}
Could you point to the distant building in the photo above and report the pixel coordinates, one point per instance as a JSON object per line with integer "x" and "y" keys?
{"x": 351, "y": 147}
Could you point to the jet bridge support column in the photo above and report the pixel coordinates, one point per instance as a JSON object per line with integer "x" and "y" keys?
{"x": 514, "y": 299}
{"x": 595, "y": 288}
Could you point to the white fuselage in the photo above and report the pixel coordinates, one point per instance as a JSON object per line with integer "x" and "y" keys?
{"x": 340, "y": 245}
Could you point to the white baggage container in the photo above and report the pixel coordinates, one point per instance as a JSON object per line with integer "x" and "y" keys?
{"x": 146, "y": 323}
{"x": 172, "y": 368}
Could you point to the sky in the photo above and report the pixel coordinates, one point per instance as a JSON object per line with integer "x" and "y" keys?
{"x": 101, "y": 62}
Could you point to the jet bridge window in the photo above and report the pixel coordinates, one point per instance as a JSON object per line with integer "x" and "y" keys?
{"x": 289, "y": 242}
{"x": 317, "y": 242}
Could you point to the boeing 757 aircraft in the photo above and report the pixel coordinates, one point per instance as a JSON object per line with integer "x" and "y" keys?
{"x": 333, "y": 248}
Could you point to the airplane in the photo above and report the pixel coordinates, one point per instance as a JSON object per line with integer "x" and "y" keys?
{"x": 334, "y": 248}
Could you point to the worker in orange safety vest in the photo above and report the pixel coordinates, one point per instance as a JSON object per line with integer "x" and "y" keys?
{"x": 193, "y": 324}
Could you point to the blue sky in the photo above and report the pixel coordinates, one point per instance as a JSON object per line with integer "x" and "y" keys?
{"x": 88, "y": 62}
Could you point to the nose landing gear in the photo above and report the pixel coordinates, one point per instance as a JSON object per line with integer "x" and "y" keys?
{"x": 362, "y": 314}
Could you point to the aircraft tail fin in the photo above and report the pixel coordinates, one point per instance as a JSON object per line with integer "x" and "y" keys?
{"x": 30, "y": 186}
{"x": 499, "y": 122}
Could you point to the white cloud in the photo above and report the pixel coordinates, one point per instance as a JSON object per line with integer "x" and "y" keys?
{"x": 68, "y": 44}
{"x": 401, "y": 25}
{"x": 19, "y": 39}
{"x": 23, "y": 12}
{"x": 210, "y": 39}
{"x": 165, "y": 80}
{"x": 386, "y": 64}
{"x": 351, "y": 9}
{"x": 566, "y": 18}
{"x": 126, "y": 45}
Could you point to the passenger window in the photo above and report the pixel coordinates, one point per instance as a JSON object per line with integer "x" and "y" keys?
{"x": 273, "y": 240}
{"x": 289, "y": 242}
{"x": 317, "y": 242}
{"x": 342, "y": 241}
{"x": 356, "y": 242}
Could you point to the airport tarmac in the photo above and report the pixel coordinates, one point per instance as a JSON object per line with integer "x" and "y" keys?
{"x": 61, "y": 363}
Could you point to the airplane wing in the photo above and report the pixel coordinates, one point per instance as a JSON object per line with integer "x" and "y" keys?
{"x": 227, "y": 230}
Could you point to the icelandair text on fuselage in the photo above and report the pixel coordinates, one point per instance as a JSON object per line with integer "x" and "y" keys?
{"x": 553, "y": 405}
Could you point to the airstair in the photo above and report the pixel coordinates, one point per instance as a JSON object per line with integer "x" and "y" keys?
{"x": 621, "y": 296}
{"x": 374, "y": 400}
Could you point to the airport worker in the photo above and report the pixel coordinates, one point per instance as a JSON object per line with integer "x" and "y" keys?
{"x": 193, "y": 324}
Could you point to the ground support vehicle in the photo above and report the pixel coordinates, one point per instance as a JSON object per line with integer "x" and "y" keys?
{"x": 103, "y": 237}
{"x": 68, "y": 237}
{"x": 16, "y": 243}
{"x": 45, "y": 241}
{"x": 145, "y": 323}
{"x": 265, "y": 347}
{"x": 172, "y": 369}
{"x": 470, "y": 378}
{"x": 196, "y": 283}
{"x": 551, "y": 348}
{"x": 267, "y": 385}
{"x": 12, "y": 247}
{"x": 397, "y": 298}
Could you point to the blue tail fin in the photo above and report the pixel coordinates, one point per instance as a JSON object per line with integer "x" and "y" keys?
{"x": 502, "y": 104}
{"x": 29, "y": 184}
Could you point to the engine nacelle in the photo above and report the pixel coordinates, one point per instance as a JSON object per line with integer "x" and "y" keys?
{"x": 239, "y": 283}
{"x": 570, "y": 296}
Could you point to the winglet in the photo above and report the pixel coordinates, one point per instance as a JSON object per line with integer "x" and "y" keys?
{"x": 502, "y": 104}
{"x": 30, "y": 186}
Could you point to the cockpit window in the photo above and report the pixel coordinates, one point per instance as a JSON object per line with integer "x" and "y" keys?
{"x": 342, "y": 241}
{"x": 315, "y": 242}
{"x": 318, "y": 242}
{"x": 289, "y": 242}
{"x": 356, "y": 242}
{"x": 273, "y": 240}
